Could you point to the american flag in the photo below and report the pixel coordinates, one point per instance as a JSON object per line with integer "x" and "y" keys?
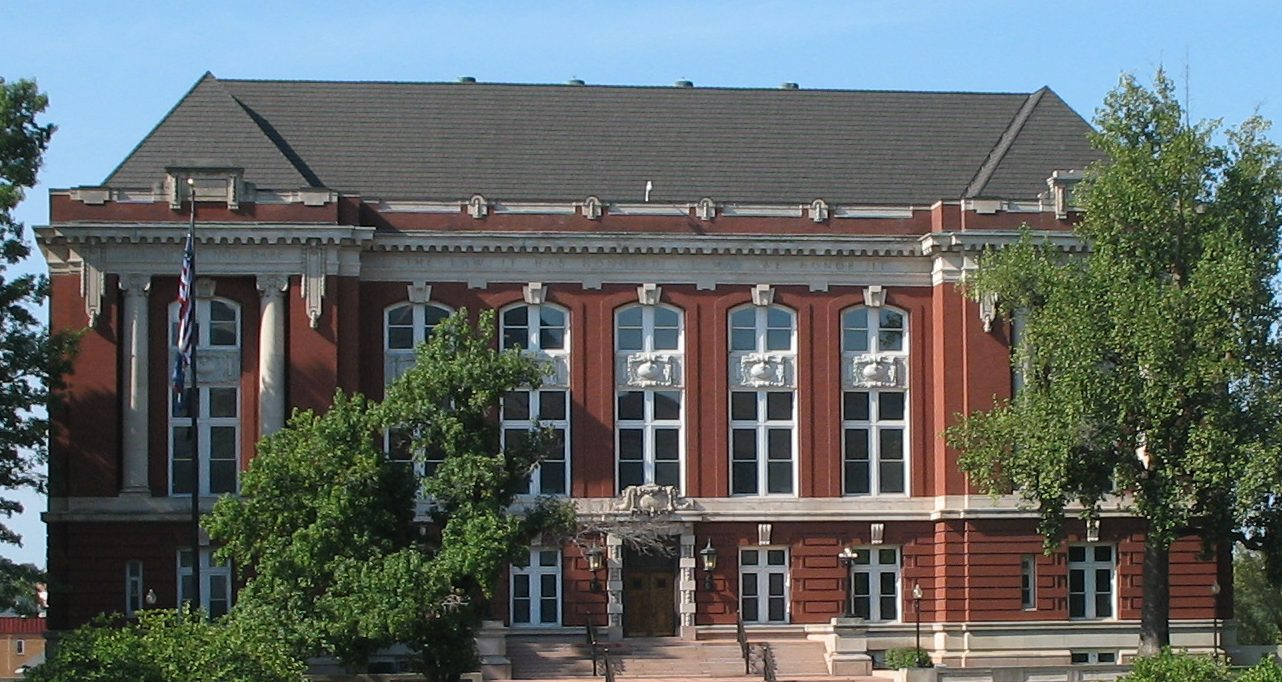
{"x": 186, "y": 318}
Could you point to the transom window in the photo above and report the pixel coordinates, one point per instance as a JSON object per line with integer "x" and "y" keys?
{"x": 875, "y": 576}
{"x": 763, "y": 585}
{"x": 874, "y": 330}
{"x": 409, "y": 324}
{"x": 536, "y": 588}
{"x": 648, "y": 328}
{"x": 523, "y": 411}
{"x": 875, "y": 419}
{"x": 216, "y": 593}
{"x": 218, "y": 419}
{"x": 762, "y": 433}
{"x": 762, "y": 329}
{"x": 649, "y": 432}
{"x": 1090, "y": 581}
{"x": 536, "y": 327}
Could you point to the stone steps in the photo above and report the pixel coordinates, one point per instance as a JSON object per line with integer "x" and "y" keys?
{"x": 546, "y": 658}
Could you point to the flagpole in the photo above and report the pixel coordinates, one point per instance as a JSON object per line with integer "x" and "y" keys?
{"x": 193, "y": 410}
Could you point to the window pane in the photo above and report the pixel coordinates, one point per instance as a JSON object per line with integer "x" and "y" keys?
{"x": 401, "y": 315}
{"x": 776, "y": 608}
{"x": 551, "y": 317}
{"x": 748, "y": 557}
{"x": 181, "y": 477}
{"x": 890, "y": 405}
{"x": 222, "y": 477}
{"x": 779, "y": 477}
{"x": 667, "y": 444}
{"x": 629, "y": 339}
{"x": 892, "y": 476}
{"x": 857, "y": 478}
{"x": 744, "y": 476}
{"x": 551, "y": 339}
{"x": 1076, "y": 606}
{"x": 892, "y": 444}
{"x": 855, "y": 405}
{"x": 1104, "y": 554}
{"x": 515, "y": 337}
{"x": 517, "y": 317}
{"x": 778, "y": 339}
{"x": 890, "y": 340}
{"x": 552, "y": 477}
{"x": 630, "y": 317}
{"x": 743, "y": 405}
{"x": 631, "y": 444}
{"x": 744, "y": 444}
{"x": 516, "y": 405}
{"x": 743, "y": 339}
{"x": 667, "y": 405}
{"x": 222, "y": 442}
{"x": 432, "y": 316}
{"x": 222, "y": 333}
{"x": 666, "y": 339}
{"x": 551, "y": 404}
{"x": 548, "y": 558}
{"x": 667, "y": 473}
{"x": 182, "y": 442}
{"x": 775, "y": 557}
{"x": 779, "y": 442}
{"x": 400, "y": 338}
{"x": 891, "y": 319}
{"x": 779, "y": 406}
{"x": 778, "y": 318}
{"x": 1077, "y": 553}
{"x": 666, "y": 317}
{"x": 631, "y": 473}
{"x": 744, "y": 318}
{"x": 856, "y": 445}
{"x": 632, "y": 405}
{"x": 887, "y": 557}
{"x": 1076, "y": 580}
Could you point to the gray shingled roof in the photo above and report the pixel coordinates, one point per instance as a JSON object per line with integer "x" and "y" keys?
{"x": 449, "y": 141}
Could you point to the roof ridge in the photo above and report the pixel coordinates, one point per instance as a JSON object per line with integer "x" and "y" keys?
{"x": 208, "y": 75}
{"x": 282, "y": 145}
{"x": 1004, "y": 143}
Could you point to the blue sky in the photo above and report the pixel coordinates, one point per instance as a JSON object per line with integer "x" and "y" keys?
{"x": 113, "y": 69}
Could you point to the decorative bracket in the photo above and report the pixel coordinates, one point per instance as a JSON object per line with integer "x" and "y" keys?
{"x": 204, "y": 287}
{"x": 478, "y": 207}
{"x": 818, "y": 210}
{"x": 92, "y": 283}
{"x": 763, "y": 533}
{"x": 988, "y": 310}
{"x": 706, "y": 209}
{"x": 592, "y": 208}
{"x": 534, "y": 293}
{"x": 313, "y": 289}
{"x": 763, "y": 294}
{"x": 649, "y": 293}
{"x": 418, "y": 291}
{"x": 877, "y": 531}
{"x": 874, "y": 296}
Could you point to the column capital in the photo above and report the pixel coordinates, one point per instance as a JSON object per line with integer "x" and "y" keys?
{"x": 134, "y": 284}
{"x": 272, "y": 284}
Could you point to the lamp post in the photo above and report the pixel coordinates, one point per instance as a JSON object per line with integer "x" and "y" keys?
{"x": 709, "y": 557}
{"x": 150, "y": 598}
{"x": 847, "y": 557}
{"x": 917, "y": 613}
{"x": 1215, "y": 618}
{"x": 596, "y": 562}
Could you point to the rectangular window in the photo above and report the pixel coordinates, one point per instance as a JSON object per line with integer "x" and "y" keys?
{"x": 133, "y": 588}
{"x": 522, "y": 411}
{"x": 1089, "y": 657}
{"x": 536, "y": 589}
{"x": 216, "y": 594}
{"x": 648, "y": 427}
{"x": 875, "y": 424}
{"x": 763, "y": 585}
{"x": 1028, "y": 582}
{"x": 875, "y": 575}
{"x": 1091, "y": 570}
{"x": 219, "y": 430}
{"x": 762, "y": 437}
{"x": 20, "y": 647}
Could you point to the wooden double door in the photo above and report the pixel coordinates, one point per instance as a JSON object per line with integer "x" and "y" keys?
{"x": 649, "y": 595}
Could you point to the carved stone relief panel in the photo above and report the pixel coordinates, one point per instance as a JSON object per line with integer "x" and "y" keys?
{"x": 559, "y": 376}
{"x": 396, "y": 364}
{"x": 865, "y": 370}
{"x": 646, "y": 370}
{"x": 216, "y": 365}
{"x": 763, "y": 370}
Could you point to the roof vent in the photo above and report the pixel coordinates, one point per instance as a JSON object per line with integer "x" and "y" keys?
{"x": 577, "y": 81}
{"x": 685, "y": 84}
{"x": 467, "y": 79}
{"x": 788, "y": 86}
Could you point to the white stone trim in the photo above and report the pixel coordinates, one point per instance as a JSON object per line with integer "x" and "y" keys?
{"x": 92, "y": 284}
{"x": 650, "y": 209}
{"x": 313, "y": 289}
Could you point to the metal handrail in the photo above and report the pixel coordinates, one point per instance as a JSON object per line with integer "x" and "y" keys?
{"x": 609, "y": 665}
{"x": 744, "y": 649}
{"x": 769, "y": 673}
{"x": 593, "y": 645}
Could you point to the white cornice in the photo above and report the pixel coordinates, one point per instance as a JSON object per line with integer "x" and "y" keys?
{"x": 206, "y": 233}
{"x": 647, "y": 243}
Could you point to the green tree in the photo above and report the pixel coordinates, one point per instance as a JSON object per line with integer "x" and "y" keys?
{"x": 31, "y": 360}
{"x": 163, "y": 646}
{"x": 1257, "y": 603}
{"x": 1152, "y": 362}
{"x": 325, "y": 523}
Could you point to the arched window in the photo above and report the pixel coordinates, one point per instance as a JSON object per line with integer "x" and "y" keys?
{"x": 405, "y": 326}
{"x": 875, "y": 404}
{"x": 649, "y": 397}
{"x": 218, "y": 420}
{"x": 763, "y": 401}
{"x": 543, "y": 329}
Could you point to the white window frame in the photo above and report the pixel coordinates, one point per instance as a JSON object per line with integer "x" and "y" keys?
{"x": 533, "y": 574}
{"x": 534, "y": 327}
{"x": 1091, "y": 592}
{"x": 212, "y": 572}
{"x": 869, "y": 561}
{"x": 533, "y": 335}
{"x": 1092, "y": 657}
{"x": 420, "y": 331}
{"x": 759, "y": 577}
{"x": 134, "y": 599}
{"x": 534, "y": 400}
{"x": 206, "y": 423}
{"x": 649, "y": 426}
{"x": 647, "y": 329}
{"x": 420, "y": 328}
{"x": 762, "y": 426}
{"x": 20, "y": 647}
{"x": 761, "y": 328}
{"x": 875, "y": 426}
{"x": 1028, "y": 582}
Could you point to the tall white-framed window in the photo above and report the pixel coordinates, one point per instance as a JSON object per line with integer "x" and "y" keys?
{"x": 875, "y": 402}
{"x": 1091, "y": 575}
{"x": 763, "y": 410}
{"x": 405, "y": 326}
{"x": 216, "y": 593}
{"x": 542, "y": 329}
{"x": 875, "y": 578}
{"x": 218, "y": 421}
{"x": 649, "y": 399}
{"x": 536, "y": 588}
{"x": 133, "y": 588}
{"x": 764, "y": 584}
{"x": 1028, "y": 582}
{"x": 523, "y": 411}
{"x": 20, "y": 647}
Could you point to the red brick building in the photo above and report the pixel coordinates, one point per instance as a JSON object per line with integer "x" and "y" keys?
{"x": 749, "y": 298}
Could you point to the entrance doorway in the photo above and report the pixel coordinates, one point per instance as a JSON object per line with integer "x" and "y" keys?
{"x": 649, "y": 593}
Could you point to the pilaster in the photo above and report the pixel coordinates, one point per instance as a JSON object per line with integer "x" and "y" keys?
{"x": 271, "y": 354}
{"x": 134, "y": 393}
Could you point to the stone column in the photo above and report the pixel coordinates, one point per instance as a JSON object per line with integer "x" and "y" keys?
{"x": 271, "y": 354}
{"x": 134, "y": 397}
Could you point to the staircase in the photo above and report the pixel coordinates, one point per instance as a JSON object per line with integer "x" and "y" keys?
{"x": 549, "y": 658}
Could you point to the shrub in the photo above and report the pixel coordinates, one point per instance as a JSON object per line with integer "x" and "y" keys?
{"x": 1266, "y": 670}
{"x": 1172, "y": 666}
{"x": 907, "y": 658}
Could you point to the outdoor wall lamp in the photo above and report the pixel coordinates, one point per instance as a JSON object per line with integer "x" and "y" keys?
{"x": 1215, "y": 618}
{"x": 709, "y": 557}
{"x": 150, "y": 598}
{"x": 847, "y": 557}
{"x": 596, "y": 561}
